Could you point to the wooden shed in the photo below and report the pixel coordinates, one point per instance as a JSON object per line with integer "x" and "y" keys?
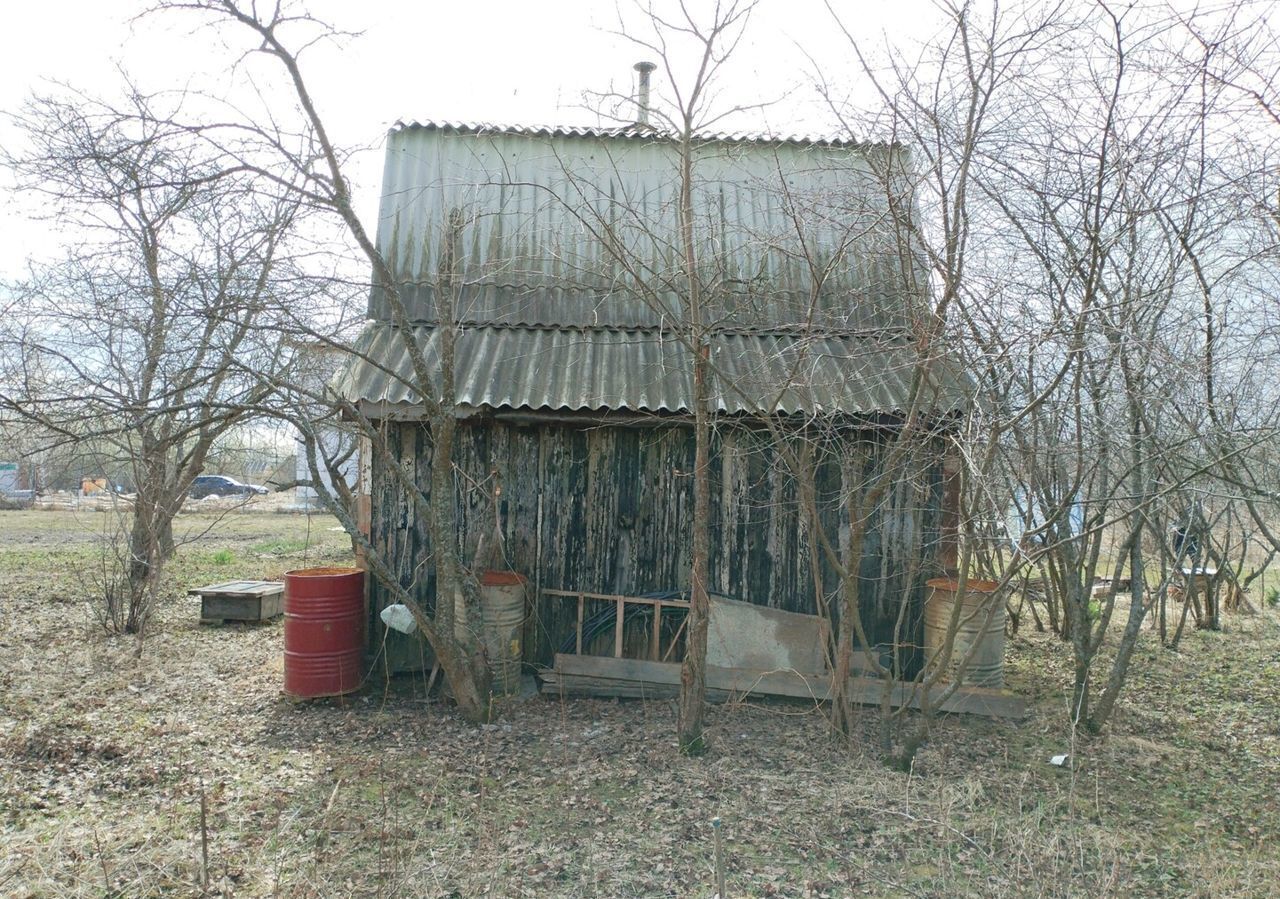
{"x": 573, "y": 381}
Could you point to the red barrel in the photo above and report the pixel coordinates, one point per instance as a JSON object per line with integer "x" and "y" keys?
{"x": 323, "y": 631}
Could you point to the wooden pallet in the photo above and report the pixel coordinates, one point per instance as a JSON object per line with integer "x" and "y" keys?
{"x": 240, "y": 601}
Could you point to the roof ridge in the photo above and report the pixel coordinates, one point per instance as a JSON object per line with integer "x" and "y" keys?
{"x": 772, "y": 331}
{"x": 636, "y": 131}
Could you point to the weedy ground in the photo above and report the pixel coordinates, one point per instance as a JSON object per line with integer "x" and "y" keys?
{"x": 105, "y": 756}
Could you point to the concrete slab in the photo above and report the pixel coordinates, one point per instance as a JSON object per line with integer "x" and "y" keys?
{"x": 742, "y": 635}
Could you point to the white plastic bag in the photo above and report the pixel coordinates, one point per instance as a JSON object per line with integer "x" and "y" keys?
{"x": 399, "y": 618}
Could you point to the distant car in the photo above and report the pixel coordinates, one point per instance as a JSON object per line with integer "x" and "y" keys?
{"x": 221, "y": 485}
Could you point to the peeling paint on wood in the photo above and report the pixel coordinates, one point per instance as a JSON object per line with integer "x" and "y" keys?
{"x": 608, "y": 509}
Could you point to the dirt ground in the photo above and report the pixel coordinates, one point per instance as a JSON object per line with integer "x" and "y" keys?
{"x": 104, "y": 758}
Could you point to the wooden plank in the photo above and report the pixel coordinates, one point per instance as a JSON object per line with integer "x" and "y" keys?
{"x": 272, "y": 605}
{"x": 239, "y": 588}
{"x": 574, "y": 685}
{"x": 614, "y": 597}
{"x": 786, "y": 683}
{"x": 675, "y": 641}
{"x": 654, "y": 645}
{"x": 581, "y": 604}
{"x": 865, "y": 691}
{"x": 619, "y": 619}
{"x": 239, "y": 608}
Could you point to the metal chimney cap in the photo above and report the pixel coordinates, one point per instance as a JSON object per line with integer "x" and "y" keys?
{"x": 644, "y": 67}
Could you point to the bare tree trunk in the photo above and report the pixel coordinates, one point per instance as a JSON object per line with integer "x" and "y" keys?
{"x": 457, "y": 637}
{"x": 143, "y": 569}
{"x": 842, "y": 717}
{"x": 150, "y": 541}
{"x": 460, "y": 650}
{"x": 693, "y": 673}
{"x": 1128, "y": 642}
{"x": 1140, "y": 452}
{"x": 1076, "y": 601}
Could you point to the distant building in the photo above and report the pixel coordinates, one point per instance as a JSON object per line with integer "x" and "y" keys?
{"x": 18, "y": 481}
{"x": 9, "y": 475}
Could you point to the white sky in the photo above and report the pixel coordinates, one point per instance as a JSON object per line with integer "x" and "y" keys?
{"x": 517, "y": 61}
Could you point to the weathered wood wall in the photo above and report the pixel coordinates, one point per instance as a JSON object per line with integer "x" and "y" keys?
{"x": 608, "y": 509}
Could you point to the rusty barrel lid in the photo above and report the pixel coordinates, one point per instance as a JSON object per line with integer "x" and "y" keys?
{"x": 494, "y": 578}
{"x": 323, "y": 572}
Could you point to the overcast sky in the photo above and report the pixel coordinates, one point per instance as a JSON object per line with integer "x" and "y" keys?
{"x": 513, "y": 61}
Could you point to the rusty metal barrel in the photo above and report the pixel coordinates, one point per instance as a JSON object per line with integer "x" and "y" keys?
{"x": 986, "y": 667}
{"x": 503, "y": 599}
{"x": 323, "y": 631}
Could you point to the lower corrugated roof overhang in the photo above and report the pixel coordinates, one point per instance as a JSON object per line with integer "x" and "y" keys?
{"x": 650, "y": 371}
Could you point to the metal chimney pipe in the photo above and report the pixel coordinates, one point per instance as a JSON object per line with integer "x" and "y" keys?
{"x": 642, "y": 101}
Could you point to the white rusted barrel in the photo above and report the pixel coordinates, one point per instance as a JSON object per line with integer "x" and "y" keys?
{"x": 503, "y": 597}
{"x": 986, "y": 667}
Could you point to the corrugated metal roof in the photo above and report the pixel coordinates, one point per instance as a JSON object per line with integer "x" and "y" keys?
{"x": 631, "y": 131}
{"x": 651, "y": 371}
{"x": 517, "y": 304}
{"x": 517, "y": 214}
{"x": 562, "y": 249}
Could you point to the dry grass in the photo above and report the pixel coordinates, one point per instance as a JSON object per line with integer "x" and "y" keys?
{"x": 387, "y": 794}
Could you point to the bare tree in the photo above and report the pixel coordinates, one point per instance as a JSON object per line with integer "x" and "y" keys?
{"x": 1048, "y": 216}
{"x": 293, "y": 156}
{"x": 132, "y": 348}
{"x": 893, "y": 470}
{"x": 1074, "y": 224}
{"x": 845, "y": 217}
{"x": 713, "y": 39}
{"x": 1115, "y": 211}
